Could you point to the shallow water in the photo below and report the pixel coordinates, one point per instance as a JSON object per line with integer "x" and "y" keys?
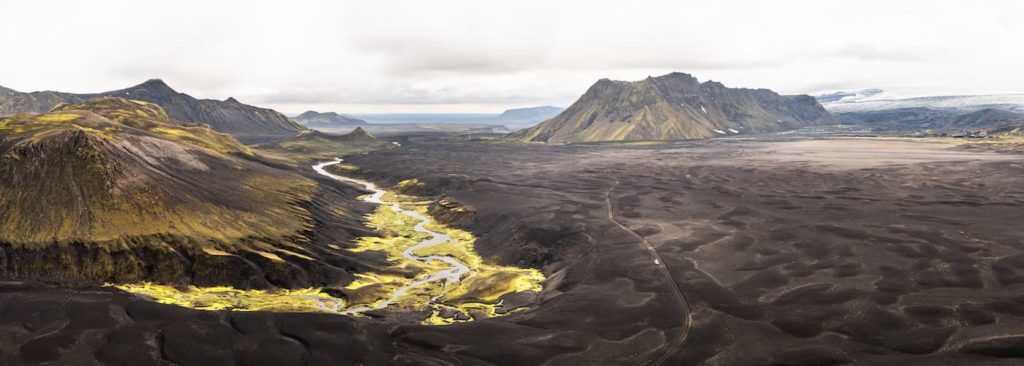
{"x": 450, "y": 276}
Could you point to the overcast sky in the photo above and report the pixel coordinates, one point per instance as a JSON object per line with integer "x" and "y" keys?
{"x": 485, "y": 56}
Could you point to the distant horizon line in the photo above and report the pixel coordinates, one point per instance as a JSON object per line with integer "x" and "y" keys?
{"x": 497, "y": 107}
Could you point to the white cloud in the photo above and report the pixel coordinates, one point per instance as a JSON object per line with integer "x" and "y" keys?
{"x": 361, "y": 56}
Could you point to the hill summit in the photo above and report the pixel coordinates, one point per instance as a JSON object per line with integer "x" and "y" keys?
{"x": 675, "y": 106}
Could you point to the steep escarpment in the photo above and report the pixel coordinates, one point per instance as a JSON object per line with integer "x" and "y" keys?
{"x": 245, "y": 122}
{"x": 116, "y": 190}
{"x": 673, "y": 107}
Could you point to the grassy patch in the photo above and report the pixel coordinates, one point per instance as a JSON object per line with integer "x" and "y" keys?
{"x": 57, "y": 117}
{"x": 479, "y": 293}
{"x": 315, "y": 145}
{"x": 227, "y": 298}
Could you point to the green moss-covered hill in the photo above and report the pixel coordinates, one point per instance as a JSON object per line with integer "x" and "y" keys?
{"x": 674, "y": 107}
{"x": 247, "y": 123}
{"x": 314, "y": 119}
{"x": 313, "y": 144}
{"x": 115, "y": 190}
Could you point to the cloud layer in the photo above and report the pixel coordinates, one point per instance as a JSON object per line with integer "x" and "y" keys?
{"x": 483, "y": 56}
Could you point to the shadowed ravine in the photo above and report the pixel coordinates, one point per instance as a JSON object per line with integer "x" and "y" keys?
{"x": 450, "y": 276}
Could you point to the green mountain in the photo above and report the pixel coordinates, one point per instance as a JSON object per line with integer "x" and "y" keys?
{"x": 314, "y": 119}
{"x": 118, "y": 190}
{"x": 674, "y": 107}
{"x": 247, "y": 123}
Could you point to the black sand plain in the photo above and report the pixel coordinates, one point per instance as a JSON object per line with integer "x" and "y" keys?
{"x": 722, "y": 252}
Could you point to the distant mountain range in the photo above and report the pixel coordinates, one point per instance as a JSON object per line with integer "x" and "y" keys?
{"x": 936, "y": 121}
{"x": 675, "y": 106}
{"x": 510, "y": 117}
{"x": 528, "y": 115}
{"x": 877, "y": 99}
{"x": 314, "y": 119}
{"x": 247, "y": 123}
{"x": 951, "y": 114}
{"x": 845, "y": 96}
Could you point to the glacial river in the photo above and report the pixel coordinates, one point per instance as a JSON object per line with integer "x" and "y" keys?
{"x": 451, "y": 275}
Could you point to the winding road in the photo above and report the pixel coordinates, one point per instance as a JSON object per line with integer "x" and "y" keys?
{"x": 451, "y": 275}
{"x": 684, "y": 331}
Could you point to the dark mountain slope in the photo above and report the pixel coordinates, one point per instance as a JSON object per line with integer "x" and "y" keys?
{"x": 116, "y": 190}
{"x": 672, "y": 107}
{"x": 245, "y": 122}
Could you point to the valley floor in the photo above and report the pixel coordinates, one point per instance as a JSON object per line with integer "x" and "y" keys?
{"x": 724, "y": 252}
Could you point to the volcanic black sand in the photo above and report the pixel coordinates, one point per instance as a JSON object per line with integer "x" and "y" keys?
{"x": 790, "y": 252}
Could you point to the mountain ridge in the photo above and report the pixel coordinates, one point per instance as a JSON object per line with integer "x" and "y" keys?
{"x": 247, "y": 123}
{"x": 316, "y": 119}
{"x": 674, "y": 106}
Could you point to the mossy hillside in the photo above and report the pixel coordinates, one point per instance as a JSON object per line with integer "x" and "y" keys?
{"x": 107, "y": 116}
{"x": 150, "y": 117}
{"x": 107, "y": 181}
{"x": 246, "y": 122}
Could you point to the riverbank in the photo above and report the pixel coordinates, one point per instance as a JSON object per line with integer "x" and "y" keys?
{"x": 432, "y": 271}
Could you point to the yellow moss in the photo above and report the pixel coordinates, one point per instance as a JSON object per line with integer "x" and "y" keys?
{"x": 477, "y": 294}
{"x": 57, "y": 117}
{"x": 228, "y": 298}
{"x": 343, "y": 168}
{"x": 294, "y": 254}
{"x": 202, "y": 137}
{"x": 410, "y": 184}
{"x": 138, "y": 212}
{"x": 268, "y": 255}
{"x": 215, "y": 252}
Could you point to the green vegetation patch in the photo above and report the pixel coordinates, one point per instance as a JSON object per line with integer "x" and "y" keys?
{"x": 480, "y": 293}
{"x": 315, "y": 145}
{"x": 228, "y": 298}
